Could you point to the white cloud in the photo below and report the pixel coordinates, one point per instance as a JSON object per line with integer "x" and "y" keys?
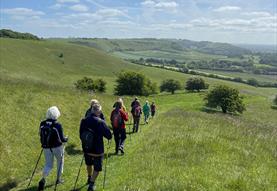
{"x": 160, "y": 4}
{"x": 79, "y": 8}
{"x": 257, "y": 14}
{"x": 67, "y": 1}
{"x": 109, "y": 12}
{"x": 227, "y": 8}
{"x": 56, "y": 6}
{"x": 22, "y": 12}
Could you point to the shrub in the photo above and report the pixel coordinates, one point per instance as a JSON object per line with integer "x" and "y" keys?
{"x": 275, "y": 100}
{"x": 170, "y": 85}
{"x": 227, "y": 98}
{"x": 253, "y": 82}
{"x": 132, "y": 83}
{"x": 100, "y": 85}
{"x": 196, "y": 84}
{"x": 88, "y": 84}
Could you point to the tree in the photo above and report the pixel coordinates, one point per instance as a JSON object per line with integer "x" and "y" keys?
{"x": 170, "y": 85}
{"x": 253, "y": 82}
{"x": 275, "y": 100}
{"x": 132, "y": 83}
{"x": 196, "y": 84}
{"x": 100, "y": 85}
{"x": 85, "y": 84}
{"x": 227, "y": 98}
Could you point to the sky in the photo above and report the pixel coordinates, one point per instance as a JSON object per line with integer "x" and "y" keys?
{"x": 231, "y": 21}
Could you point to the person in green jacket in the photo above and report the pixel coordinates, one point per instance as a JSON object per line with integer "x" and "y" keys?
{"x": 146, "y": 111}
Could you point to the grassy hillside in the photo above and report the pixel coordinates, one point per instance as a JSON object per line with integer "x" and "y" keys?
{"x": 183, "y": 148}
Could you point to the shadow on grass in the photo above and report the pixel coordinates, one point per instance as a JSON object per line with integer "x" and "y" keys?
{"x": 8, "y": 185}
{"x": 35, "y": 188}
{"x": 213, "y": 110}
{"x": 79, "y": 188}
{"x": 274, "y": 107}
{"x": 71, "y": 150}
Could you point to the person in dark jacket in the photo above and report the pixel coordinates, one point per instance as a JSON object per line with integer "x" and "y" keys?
{"x": 88, "y": 112}
{"x": 53, "y": 147}
{"x": 153, "y": 109}
{"x": 118, "y": 118}
{"x": 136, "y": 112}
{"x": 100, "y": 129}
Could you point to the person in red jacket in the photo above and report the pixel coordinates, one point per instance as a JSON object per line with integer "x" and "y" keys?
{"x": 118, "y": 118}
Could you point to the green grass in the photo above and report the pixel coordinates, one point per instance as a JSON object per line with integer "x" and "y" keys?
{"x": 183, "y": 148}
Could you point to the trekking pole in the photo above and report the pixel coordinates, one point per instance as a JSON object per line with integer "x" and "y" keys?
{"x": 78, "y": 173}
{"x": 105, "y": 172}
{"x": 59, "y": 169}
{"x": 35, "y": 168}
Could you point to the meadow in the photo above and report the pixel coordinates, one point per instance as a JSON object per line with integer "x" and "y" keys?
{"x": 185, "y": 147}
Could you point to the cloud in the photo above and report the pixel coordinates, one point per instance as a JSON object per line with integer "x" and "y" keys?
{"x": 22, "y": 12}
{"x": 67, "y": 1}
{"x": 79, "y": 8}
{"x": 257, "y": 14}
{"x": 227, "y": 8}
{"x": 56, "y": 6}
{"x": 160, "y": 4}
{"x": 109, "y": 12}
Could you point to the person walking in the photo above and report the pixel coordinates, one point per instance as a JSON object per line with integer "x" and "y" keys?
{"x": 52, "y": 139}
{"x": 153, "y": 109}
{"x": 88, "y": 112}
{"x": 146, "y": 111}
{"x": 92, "y": 131}
{"x": 118, "y": 118}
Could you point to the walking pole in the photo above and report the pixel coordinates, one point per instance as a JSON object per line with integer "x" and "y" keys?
{"x": 105, "y": 172}
{"x": 78, "y": 173}
{"x": 59, "y": 170}
{"x": 35, "y": 168}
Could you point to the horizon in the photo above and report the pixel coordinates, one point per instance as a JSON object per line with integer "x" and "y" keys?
{"x": 233, "y": 22}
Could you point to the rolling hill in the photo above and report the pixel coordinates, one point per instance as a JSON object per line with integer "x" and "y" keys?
{"x": 183, "y": 148}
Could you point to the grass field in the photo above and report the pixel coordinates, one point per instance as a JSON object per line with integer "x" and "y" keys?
{"x": 183, "y": 148}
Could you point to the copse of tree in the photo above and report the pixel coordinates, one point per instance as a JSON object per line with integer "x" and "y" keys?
{"x": 6, "y": 33}
{"x": 132, "y": 83}
{"x": 88, "y": 84}
{"x": 227, "y": 98}
{"x": 170, "y": 85}
{"x": 275, "y": 100}
{"x": 196, "y": 84}
{"x": 253, "y": 82}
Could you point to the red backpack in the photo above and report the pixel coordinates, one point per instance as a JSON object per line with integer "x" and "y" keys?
{"x": 116, "y": 119}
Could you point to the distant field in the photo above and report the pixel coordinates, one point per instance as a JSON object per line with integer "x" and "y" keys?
{"x": 246, "y": 76}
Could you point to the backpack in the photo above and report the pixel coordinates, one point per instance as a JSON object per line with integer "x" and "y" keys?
{"x": 116, "y": 119}
{"x": 47, "y": 134}
{"x": 87, "y": 138}
{"x": 137, "y": 111}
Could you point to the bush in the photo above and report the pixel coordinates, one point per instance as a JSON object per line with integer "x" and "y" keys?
{"x": 170, "y": 85}
{"x": 275, "y": 100}
{"x": 227, "y": 98}
{"x": 196, "y": 84}
{"x": 132, "y": 83}
{"x": 88, "y": 84}
{"x": 253, "y": 82}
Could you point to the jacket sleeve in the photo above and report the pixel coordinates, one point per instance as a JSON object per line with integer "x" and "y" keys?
{"x": 111, "y": 116}
{"x": 60, "y": 131}
{"x": 106, "y": 131}
{"x": 82, "y": 127}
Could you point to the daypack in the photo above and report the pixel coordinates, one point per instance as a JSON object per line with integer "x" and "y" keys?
{"x": 48, "y": 134}
{"x": 137, "y": 111}
{"x": 116, "y": 119}
{"x": 87, "y": 138}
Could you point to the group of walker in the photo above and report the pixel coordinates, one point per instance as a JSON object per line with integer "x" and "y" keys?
{"x": 93, "y": 129}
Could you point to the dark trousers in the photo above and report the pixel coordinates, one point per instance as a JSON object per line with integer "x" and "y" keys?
{"x": 136, "y": 124}
{"x": 119, "y": 137}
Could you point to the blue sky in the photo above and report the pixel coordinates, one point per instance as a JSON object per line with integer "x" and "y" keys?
{"x": 232, "y": 21}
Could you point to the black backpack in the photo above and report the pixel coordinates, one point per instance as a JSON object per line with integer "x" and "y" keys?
{"x": 47, "y": 134}
{"x": 87, "y": 138}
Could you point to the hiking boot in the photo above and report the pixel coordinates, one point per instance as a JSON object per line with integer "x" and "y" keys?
{"x": 59, "y": 181}
{"x": 89, "y": 181}
{"x": 91, "y": 187}
{"x": 41, "y": 184}
{"x": 121, "y": 150}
